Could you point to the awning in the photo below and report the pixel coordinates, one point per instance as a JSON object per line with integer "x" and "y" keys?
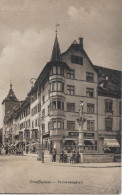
{"x": 111, "y": 143}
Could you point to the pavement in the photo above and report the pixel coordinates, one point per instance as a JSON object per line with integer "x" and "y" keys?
{"x": 24, "y": 174}
{"x": 48, "y": 160}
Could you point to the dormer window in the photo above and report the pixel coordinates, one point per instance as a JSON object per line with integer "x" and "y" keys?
{"x": 108, "y": 105}
{"x": 76, "y": 60}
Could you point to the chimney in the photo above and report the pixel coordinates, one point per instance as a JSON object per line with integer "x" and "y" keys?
{"x": 81, "y": 41}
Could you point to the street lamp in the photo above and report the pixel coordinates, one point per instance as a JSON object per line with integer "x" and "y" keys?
{"x": 40, "y": 149}
{"x": 81, "y": 120}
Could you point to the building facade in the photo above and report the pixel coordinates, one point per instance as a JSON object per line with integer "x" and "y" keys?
{"x": 49, "y": 113}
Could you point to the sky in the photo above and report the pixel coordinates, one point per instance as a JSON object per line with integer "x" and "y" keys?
{"x": 27, "y": 33}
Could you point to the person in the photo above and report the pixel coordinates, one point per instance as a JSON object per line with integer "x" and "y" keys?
{"x": 54, "y": 155}
{"x": 77, "y": 157}
{"x": 3, "y": 150}
{"x": 61, "y": 156}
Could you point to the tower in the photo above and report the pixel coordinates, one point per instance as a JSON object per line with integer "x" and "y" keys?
{"x": 8, "y": 105}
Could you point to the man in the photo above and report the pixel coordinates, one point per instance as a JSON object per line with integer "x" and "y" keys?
{"x": 54, "y": 155}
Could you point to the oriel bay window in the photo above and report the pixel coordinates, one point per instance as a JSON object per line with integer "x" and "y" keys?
{"x": 57, "y": 70}
{"x": 57, "y": 86}
{"x": 57, "y": 105}
{"x": 57, "y": 124}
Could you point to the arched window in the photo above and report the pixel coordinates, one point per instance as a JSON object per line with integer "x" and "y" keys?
{"x": 108, "y": 105}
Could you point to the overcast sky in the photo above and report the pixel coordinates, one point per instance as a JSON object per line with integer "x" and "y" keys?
{"x": 27, "y": 33}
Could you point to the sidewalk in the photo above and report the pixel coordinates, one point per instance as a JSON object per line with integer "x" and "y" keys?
{"x": 47, "y": 161}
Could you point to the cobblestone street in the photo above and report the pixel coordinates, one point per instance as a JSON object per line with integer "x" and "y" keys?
{"x": 24, "y": 174}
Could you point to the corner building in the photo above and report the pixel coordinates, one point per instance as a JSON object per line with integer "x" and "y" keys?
{"x": 51, "y": 109}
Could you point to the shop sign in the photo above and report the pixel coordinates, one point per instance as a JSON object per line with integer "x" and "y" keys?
{"x": 89, "y": 134}
{"x": 73, "y": 133}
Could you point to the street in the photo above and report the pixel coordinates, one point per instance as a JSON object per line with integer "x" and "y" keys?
{"x": 24, "y": 174}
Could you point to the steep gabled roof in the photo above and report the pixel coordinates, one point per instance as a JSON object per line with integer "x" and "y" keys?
{"x": 109, "y": 82}
{"x": 11, "y": 96}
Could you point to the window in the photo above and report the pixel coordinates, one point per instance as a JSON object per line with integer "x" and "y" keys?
{"x": 71, "y": 107}
{"x": 43, "y": 128}
{"x": 89, "y": 76}
{"x": 62, "y": 105}
{"x": 58, "y": 105}
{"x": 58, "y": 124}
{"x": 90, "y": 108}
{"x": 108, "y": 124}
{"x": 76, "y": 59}
{"x": 36, "y": 123}
{"x": 54, "y": 105}
{"x": 48, "y": 109}
{"x": 39, "y": 107}
{"x": 70, "y": 74}
{"x": 59, "y": 70}
{"x": 32, "y": 124}
{"x": 35, "y": 110}
{"x": 70, "y": 90}
{"x": 36, "y": 134}
{"x": 57, "y": 86}
{"x": 49, "y": 126}
{"x": 43, "y": 113}
{"x": 90, "y": 125}
{"x": 89, "y": 92}
{"x": 71, "y": 125}
{"x": 108, "y": 105}
{"x": 43, "y": 99}
{"x": 54, "y": 124}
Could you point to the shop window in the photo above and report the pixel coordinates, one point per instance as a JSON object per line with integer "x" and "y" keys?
{"x": 90, "y": 108}
{"x": 108, "y": 124}
{"x": 70, "y": 90}
{"x": 89, "y": 92}
{"x": 89, "y": 76}
{"x": 71, "y": 107}
{"x": 76, "y": 60}
{"x": 108, "y": 105}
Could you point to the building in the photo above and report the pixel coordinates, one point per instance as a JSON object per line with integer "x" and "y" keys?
{"x": 49, "y": 113}
{"x": 1, "y": 133}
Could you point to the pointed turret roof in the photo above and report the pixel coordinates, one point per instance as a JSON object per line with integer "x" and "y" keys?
{"x": 56, "y": 53}
{"x": 11, "y": 96}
